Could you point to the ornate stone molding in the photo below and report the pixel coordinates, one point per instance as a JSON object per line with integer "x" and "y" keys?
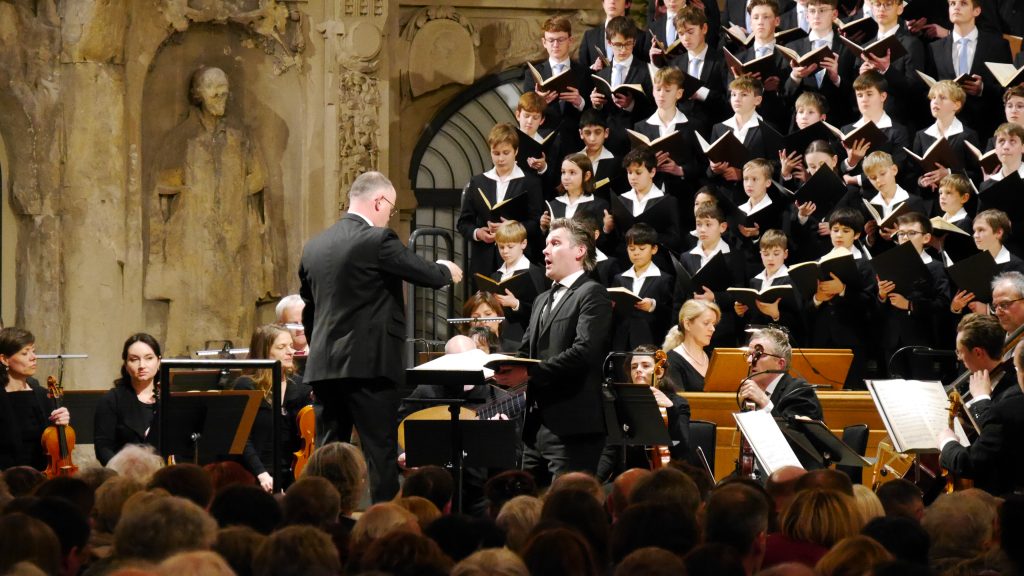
{"x": 442, "y": 50}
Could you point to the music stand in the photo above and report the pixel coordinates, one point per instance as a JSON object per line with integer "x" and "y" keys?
{"x": 485, "y": 443}
{"x": 632, "y": 417}
{"x": 209, "y": 425}
{"x": 819, "y": 443}
{"x": 189, "y": 380}
{"x": 82, "y": 403}
{"x": 168, "y": 401}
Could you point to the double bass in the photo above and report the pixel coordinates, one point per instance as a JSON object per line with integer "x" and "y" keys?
{"x": 58, "y": 440}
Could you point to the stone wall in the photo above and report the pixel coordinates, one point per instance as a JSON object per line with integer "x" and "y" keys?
{"x": 93, "y": 91}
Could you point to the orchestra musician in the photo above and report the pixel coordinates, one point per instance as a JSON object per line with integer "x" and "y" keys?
{"x": 273, "y": 342}
{"x": 25, "y": 408}
{"x": 1008, "y": 304}
{"x": 995, "y": 461}
{"x": 770, "y": 387}
{"x": 126, "y": 413}
{"x": 979, "y": 345}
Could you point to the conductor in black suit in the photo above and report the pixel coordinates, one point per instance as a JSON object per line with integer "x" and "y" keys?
{"x": 569, "y": 333}
{"x": 351, "y": 282}
{"x": 770, "y": 387}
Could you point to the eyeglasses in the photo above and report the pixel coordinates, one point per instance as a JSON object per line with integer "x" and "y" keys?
{"x": 1005, "y": 304}
{"x": 557, "y": 41}
{"x": 394, "y": 209}
{"x": 883, "y": 4}
{"x": 622, "y": 45}
{"x": 903, "y": 234}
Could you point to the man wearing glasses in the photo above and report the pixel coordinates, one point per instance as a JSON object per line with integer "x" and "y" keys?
{"x": 770, "y": 387}
{"x": 351, "y": 283}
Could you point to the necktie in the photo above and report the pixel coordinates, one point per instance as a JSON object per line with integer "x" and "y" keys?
{"x": 550, "y": 303}
{"x": 964, "y": 65}
{"x": 618, "y": 74}
{"x": 670, "y": 31}
{"x": 559, "y": 68}
{"x": 819, "y": 76}
{"x": 694, "y": 69}
{"x": 763, "y": 51}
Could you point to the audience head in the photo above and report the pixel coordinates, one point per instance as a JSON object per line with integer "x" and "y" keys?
{"x": 405, "y": 554}
{"x": 821, "y": 517}
{"x": 825, "y": 478}
{"x": 381, "y": 519}
{"x": 582, "y": 481}
{"x": 852, "y": 556}
{"x": 668, "y": 485}
{"x": 185, "y": 480}
{"x": 74, "y": 490}
{"x": 902, "y": 536}
{"x": 900, "y": 497}
{"x": 559, "y": 551}
{"x": 137, "y": 461}
{"x": 580, "y": 510}
{"x": 517, "y": 518}
{"x": 160, "y": 526}
{"x": 782, "y": 486}
{"x": 431, "y": 482}
{"x": 344, "y": 466}
{"x": 959, "y": 525}
{"x": 737, "y": 515}
{"x": 297, "y": 551}
{"x": 867, "y": 503}
{"x": 247, "y": 506}
{"x": 491, "y": 562}
{"x": 662, "y": 524}
{"x": 27, "y": 539}
{"x": 238, "y": 545}
{"x": 71, "y": 527}
{"x": 507, "y": 485}
{"x": 650, "y": 561}
{"x": 110, "y": 499}
{"x": 1011, "y": 529}
{"x": 459, "y": 535}
{"x": 715, "y": 559}
{"x": 228, "y": 473}
{"x": 622, "y": 490}
{"x": 424, "y": 510}
{"x": 195, "y": 563}
{"x": 22, "y": 480}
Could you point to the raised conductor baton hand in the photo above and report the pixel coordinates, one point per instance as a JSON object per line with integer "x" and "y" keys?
{"x": 454, "y": 269}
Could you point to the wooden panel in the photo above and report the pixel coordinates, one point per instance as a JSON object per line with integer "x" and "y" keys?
{"x": 842, "y": 408}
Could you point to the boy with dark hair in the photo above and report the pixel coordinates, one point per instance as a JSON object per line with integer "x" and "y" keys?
{"x": 594, "y": 133}
{"x": 954, "y": 192}
{"x": 837, "y": 313}
{"x": 872, "y": 92}
{"x": 645, "y": 196}
{"x": 624, "y": 110}
{"x": 764, "y": 19}
{"x": 965, "y": 51}
{"x": 649, "y": 320}
{"x": 915, "y": 316}
{"x": 562, "y": 110}
{"x": 595, "y": 38}
{"x": 825, "y": 78}
{"x": 703, "y": 63}
{"x": 505, "y": 181}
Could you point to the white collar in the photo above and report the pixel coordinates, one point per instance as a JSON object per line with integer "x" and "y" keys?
{"x": 702, "y": 54}
{"x": 722, "y": 247}
{"x": 888, "y": 32}
{"x": 605, "y": 153}
{"x": 731, "y": 122}
{"x": 972, "y": 35}
{"x": 1004, "y": 256}
{"x": 654, "y": 192}
{"x": 564, "y": 199}
{"x": 679, "y": 118}
{"x": 955, "y": 127}
{"x": 900, "y": 195}
{"x": 567, "y": 62}
{"x": 956, "y": 217}
{"x": 813, "y": 36}
{"x": 601, "y": 256}
{"x": 763, "y": 276}
{"x": 571, "y": 278}
{"x": 747, "y": 208}
{"x": 365, "y": 219}
{"x": 627, "y": 63}
{"x": 522, "y": 264}
{"x": 884, "y": 122}
{"x": 651, "y": 271}
{"x": 926, "y": 257}
{"x": 999, "y": 175}
{"x": 773, "y": 385}
{"x": 517, "y": 172}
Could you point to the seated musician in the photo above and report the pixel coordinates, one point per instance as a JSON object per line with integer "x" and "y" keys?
{"x": 769, "y": 386}
{"x": 643, "y": 369}
{"x": 979, "y": 345}
{"x": 1008, "y": 305}
{"x": 126, "y": 412}
{"x": 25, "y": 409}
{"x": 995, "y": 461}
{"x": 273, "y": 342}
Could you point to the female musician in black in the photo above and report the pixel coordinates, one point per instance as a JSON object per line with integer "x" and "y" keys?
{"x": 126, "y": 413}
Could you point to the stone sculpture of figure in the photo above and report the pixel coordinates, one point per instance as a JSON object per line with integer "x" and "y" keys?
{"x": 209, "y": 253}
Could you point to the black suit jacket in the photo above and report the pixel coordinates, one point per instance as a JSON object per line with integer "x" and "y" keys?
{"x": 995, "y": 461}
{"x": 711, "y": 12}
{"x": 714, "y": 75}
{"x": 899, "y": 138}
{"x": 635, "y": 327}
{"x": 842, "y": 94}
{"x": 562, "y": 116}
{"x": 620, "y": 119}
{"x": 121, "y": 419}
{"x": 795, "y": 397}
{"x": 929, "y": 300}
{"x": 483, "y": 257}
{"x": 906, "y": 89}
{"x": 596, "y": 37}
{"x": 564, "y": 390}
{"x": 351, "y": 283}
{"x": 977, "y": 111}
{"x": 774, "y": 106}
{"x": 694, "y": 162}
{"x": 516, "y": 321}
{"x": 725, "y": 333}
{"x": 968, "y": 164}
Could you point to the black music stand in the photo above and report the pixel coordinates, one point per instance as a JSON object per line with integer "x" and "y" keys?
{"x": 819, "y": 444}
{"x": 452, "y": 440}
{"x": 632, "y": 417}
{"x": 208, "y": 425}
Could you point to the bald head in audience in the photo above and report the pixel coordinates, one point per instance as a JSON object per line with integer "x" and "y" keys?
{"x": 781, "y": 486}
{"x": 578, "y": 481}
{"x": 622, "y": 490}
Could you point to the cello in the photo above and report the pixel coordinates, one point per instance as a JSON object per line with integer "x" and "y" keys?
{"x": 306, "y": 420}
{"x": 659, "y": 455}
{"x": 58, "y": 440}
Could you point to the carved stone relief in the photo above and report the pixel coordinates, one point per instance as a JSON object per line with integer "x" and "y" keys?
{"x": 442, "y": 49}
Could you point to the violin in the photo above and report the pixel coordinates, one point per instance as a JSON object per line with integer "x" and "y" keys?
{"x": 660, "y": 455}
{"x": 956, "y": 409}
{"x": 58, "y": 440}
{"x": 306, "y": 419}
{"x": 745, "y": 462}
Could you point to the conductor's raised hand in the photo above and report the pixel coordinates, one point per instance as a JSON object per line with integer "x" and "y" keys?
{"x": 454, "y": 269}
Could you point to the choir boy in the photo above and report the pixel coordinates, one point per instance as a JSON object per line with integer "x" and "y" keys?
{"x": 650, "y": 318}
{"x": 704, "y": 63}
{"x": 644, "y": 196}
{"x": 764, "y": 18}
{"x": 667, "y": 91}
{"x": 1009, "y": 146}
{"x": 511, "y": 240}
{"x": 881, "y": 171}
{"x": 954, "y": 193}
{"x": 872, "y": 92}
{"x": 757, "y": 178}
{"x": 824, "y": 78}
{"x": 947, "y": 100}
{"x": 594, "y": 132}
{"x": 774, "y": 250}
{"x": 626, "y": 109}
{"x": 596, "y": 39}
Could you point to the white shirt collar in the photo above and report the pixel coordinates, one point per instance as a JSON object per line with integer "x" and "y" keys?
{"x": 901, "y": 195}
{"x": 765, "y": 202}
{"x": 601, "y": 256}
{"x": 679, "y": 118}
{"x": 522, "y": 264}
{"x": 571, "y": 278}
{"x": 564, "y": 199}
{"x": 651, "y": 271}
{"x": 1004, "y": 256}
{"x": 955, "y": 127}
{"x": 766, "y": 281}
{"x": 702, "y": 54}
{"x": 884, "y": 122}
{"x": 604, "y": 155}
{"x": 731, "y": 123}
{"x": 722, "y": 247}
{"x": 888, "y": 32}
{"x": 956, "y": 217}
{"x": 567, "y": 62}
{"x": 638, "y": 205}
{"x": 999, "y": 175}
{"x": 972, "y": 36}
{"x": 773, "y": 385}
{"x": 926, "y": 257}
{"x": 365, "y": 219}
{"x": 517, "y": 172}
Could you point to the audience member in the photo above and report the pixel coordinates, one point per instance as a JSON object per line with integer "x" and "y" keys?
{"x": 901, "y": 497}
{"x": 297, "y": 551}
{"x": 424, "y": 510}
{"x": 196, "y": 563}
{"x": 406, "y": 554}
{"x": 650, "y": 561}
{"x": 161, "y": 526}
{"x": 28, "y": 539}
{"x": 667, "y": 485}
{"x": 311, "y": 500}
{"x": 737, "y": 515}
{"x": 460, "y": 535}
{"x": 517, "y": 518}
{"x": 578, "y": 509}
{"x": 491, "y": 562}
{"x": 903, "y": 537}
{"x": 715, "y": 560}
{"x": 433, "y": 483}
{"x": 662, "y": 524}
{"x": 343, "y": 465}
{"x": 867, "y": 503}
{"x": 238, "y": 546}
{"x": 813, "y": 523}
{"x": 186, "y": 480}
{"x": 557, "y": 551}
{"x": 136, "y": 461}
{"x": 505, "y": 486}
{"x": 851, "y": 556}
{"x": 247, "y": 506}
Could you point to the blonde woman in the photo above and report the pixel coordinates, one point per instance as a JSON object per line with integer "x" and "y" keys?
{"x": 687, "y": 340}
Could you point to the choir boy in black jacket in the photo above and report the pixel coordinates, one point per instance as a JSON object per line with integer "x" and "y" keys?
{"x": 530, "y": 118}
{"x": 645, "y": 196}
{"x": 965, "y": 51}
{"x": 609, "y": 176}
{"x": 764, "y": 18}
{"x": 882, "y": 172}
{"x": 913, "y": 317}
{"x": 505, "y": 181}
{"x": 705, "y": 62}
{"x": 954, "y": 194}
{"x": 595, "y": 39}
{"x": 511, "y": 240}
{"x": 650, "y": 318}
{"x": 947, "y": 100}
{"x": 784, "y": 311}
{"x": 624, "y": 110}
{"x": 872, "y": 91}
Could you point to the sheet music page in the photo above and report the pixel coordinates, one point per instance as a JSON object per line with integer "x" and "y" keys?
{"x": 469, "y": 361}
{"x": 770, "y": 447}
{"x": 915, "y": 411}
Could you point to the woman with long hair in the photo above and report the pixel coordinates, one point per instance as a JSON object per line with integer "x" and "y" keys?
{"x": 686, "y": 342}
{"x": 273, "y": 342}
{"x": 126, "y": 413}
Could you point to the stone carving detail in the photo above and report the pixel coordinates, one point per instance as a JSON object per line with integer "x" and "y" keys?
{"x": 209, "y": 250}
{"x": 363, "y": 8}
{"x": 271, "y": 24}
{"x": 442, "y": 49}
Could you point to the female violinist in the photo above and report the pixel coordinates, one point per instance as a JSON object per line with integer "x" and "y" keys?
{"x": 25, "y": 408}
{"x": 126, "y": 413}
{"x": 274, "y": 342}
